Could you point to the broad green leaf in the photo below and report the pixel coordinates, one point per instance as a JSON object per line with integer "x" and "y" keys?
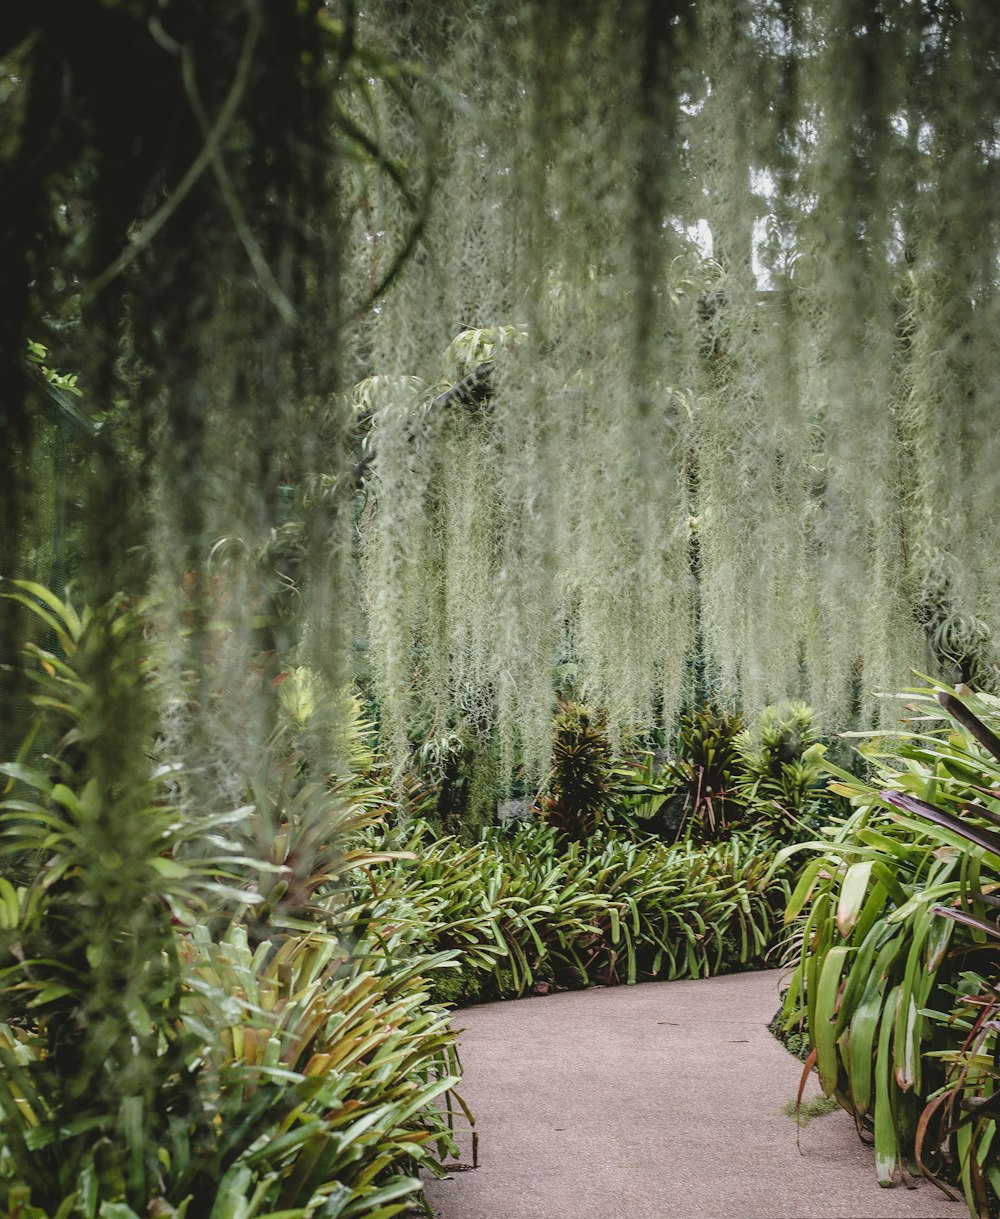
{"x": 67, "y": 798}
{"x": 169, "y": 868}
{"x": 886, "y": 1147}
{"x": 852, "y": 895}
{"x": 402, "y": 1187}
{"x": 989, "y": 840}
{"x": 116, "y": 1210}
{"x": 864, "y": 1025}
{"x": 938, "y": 939}
{"x": 26, "y": 774}
{"x": 802, "y": 889}
{"x": 823, "y": 1029}
{"x": 859, "y": 973}
{"x": 63, "y": 608}
{"x": 906, "y": 1048}
{"x": 886, "y": 875}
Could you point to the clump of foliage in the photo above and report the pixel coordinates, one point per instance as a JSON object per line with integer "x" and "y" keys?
{"x": 581, "y": 781}
{"x": 196, "y": 1022}
{"x": 458, "y": 772}
{"x": 725, "y": 777}
{"x": 702, "y": 779}
{"x": 36, "y": 355}
{"x": 895, "y": 915}
{"x": 90, "y": 959}
{"x": 525, "y": 909}
{"x": 780, "y": 778}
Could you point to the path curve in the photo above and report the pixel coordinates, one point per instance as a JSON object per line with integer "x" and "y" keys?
{"x": 659, "y": 1101}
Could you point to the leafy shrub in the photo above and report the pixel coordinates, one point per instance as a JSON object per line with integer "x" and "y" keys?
{"x": 898, "y": 962}
{"x": 321, "y": 1074}
{"x": 89, "y": 955}
{"x": 297, "y": 839}
{"x": 779, "y": 772}
{"x": 153, "y": 1060}
{"x": 458, "y": 770}
{"x": 581, "y": 782}
{"x": 642, "y": 791}
{"x": 524, "y": 909}
{"x": 727, "y": 777}
{"x": 701, "y": 780}
{"x": 309, "y": 1072}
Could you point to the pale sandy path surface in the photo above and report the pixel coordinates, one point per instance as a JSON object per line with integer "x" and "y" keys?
{"x": 659, "y": 1101}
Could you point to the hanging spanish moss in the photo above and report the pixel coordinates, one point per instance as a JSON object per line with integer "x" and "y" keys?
{"x": 670, "y": 325}
{"x": 753, "y": 248}
{"x": 175, "y": 222}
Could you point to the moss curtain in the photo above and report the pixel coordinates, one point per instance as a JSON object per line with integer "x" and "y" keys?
{"x": 734, "y": 265}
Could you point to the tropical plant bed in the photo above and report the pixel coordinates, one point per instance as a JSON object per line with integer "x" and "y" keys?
{"x": 196, "y": 1021}
{"x": 526, "y": 911}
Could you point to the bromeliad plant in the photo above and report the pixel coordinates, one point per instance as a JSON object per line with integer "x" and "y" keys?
{"x": 525, "y": 909}
{"x": 302, "y": 836}
{"x": 319, "y": 1076}
{"x": 703, "y": 777}
{"x": 314, "y": 1072}
{"x": 779, "y": 774}
{"x": 899, "y": 962}
{"x": 726, "y": 777}
{"x": 148, "y": 1065}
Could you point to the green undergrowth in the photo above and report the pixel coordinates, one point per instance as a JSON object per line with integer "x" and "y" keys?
{"x": 527, "y": 912}
{"x": 220, "y": 1012}
{"x": 794, "y": 1039}
{"x": 211, "y": 1011}
{"x": 895, "y": 914}
{"x": 196, "y": 1019}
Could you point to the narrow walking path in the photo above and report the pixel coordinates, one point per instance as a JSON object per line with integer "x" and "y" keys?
{"x": 660, "y": 1101}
